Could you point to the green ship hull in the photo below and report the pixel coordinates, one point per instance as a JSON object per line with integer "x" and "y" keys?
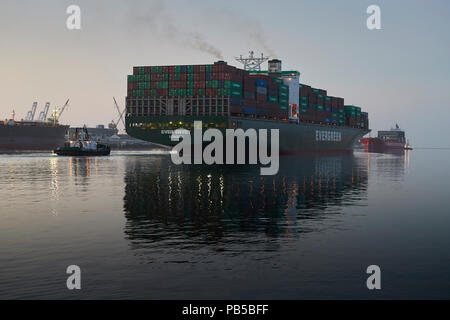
{"x": 294, "y": 137}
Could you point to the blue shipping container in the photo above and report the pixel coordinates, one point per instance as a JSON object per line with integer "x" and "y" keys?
{"x": 261, "y": 83}
{"x": 249, "y": 110}
{"x": 208, "y": 76}
{"x": 261, "y": 90}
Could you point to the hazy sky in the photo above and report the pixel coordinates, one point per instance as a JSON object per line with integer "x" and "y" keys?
{"x": 398, "y": 74}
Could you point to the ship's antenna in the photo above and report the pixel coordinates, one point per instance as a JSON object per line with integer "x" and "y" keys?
{"x": 252, "y": 63}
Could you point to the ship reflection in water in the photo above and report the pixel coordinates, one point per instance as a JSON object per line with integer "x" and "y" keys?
{"x": 143, "y": 228}
{"x": 222, "y": 206}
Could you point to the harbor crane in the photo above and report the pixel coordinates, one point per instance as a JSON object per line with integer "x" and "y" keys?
{"x": 31, "y": 113}
{"x": 43, "y": 114}
{"x": 57, "y": 113}
{"x": 114, "y": 124}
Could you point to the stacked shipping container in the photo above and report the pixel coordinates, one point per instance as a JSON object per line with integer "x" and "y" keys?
{"x": 249, "y": 95}
{"x": 317, "y": 107}
{"x": 261, "y": 97}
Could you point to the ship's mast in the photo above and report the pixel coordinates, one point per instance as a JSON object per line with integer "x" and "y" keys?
{"x": 252, "y": 63}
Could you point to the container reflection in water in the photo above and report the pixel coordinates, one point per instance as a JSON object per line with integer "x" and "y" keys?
{"x": 214, "y": 204}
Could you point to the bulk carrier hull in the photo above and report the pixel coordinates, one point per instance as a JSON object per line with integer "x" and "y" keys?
{"x": 31, "y": 137}
{"x": 294, "y": 137}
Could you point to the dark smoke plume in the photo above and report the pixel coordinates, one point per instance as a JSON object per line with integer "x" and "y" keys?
{"x": 155, "y": 19}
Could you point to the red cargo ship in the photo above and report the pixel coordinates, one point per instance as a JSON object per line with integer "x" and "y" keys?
{"x": 386, "y": 140}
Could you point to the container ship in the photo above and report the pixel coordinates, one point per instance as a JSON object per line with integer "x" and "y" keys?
{"x": 29, "y": 134}
{"x": 393, "y": 139}
{"x": 161, "y": 99}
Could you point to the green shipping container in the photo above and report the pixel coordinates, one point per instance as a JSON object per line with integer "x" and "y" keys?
{"x": 190, "y": 77}
{"x": 320, "y": 107}
{"x": 208, "y": 68}
{"x": 236, "y": 93}
{"x": 212, "y": 84}
{"x": 236, "y": 85}
{"x": 138, "y": 93}
{"x": 165, "y": 77}
{"x": 190, "y": 84}
{"x": 283, "y": 88}
{"x": 141, "y": 70}
{"x": 272, "y": 99}
{"x": 190, "y": 69}
{"x": 277, "y": 81}
{"x": 156, "y": 70}
{"x": 227, "y": 84}
{"x": 201, "y": 92}
{"x": 162, "y": 84}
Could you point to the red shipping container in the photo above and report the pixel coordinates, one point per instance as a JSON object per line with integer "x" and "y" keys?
{"x": 171, "y": 69}
{"x": 209, "y": 92}
{"x": 183, "y": 77}
{"x": 236, "y": 109}
{"x": 334, "y": 102}
{"x": 261, "y": 97}
{"x": 199, "y": 76}
{"x": 236, "y": 77}
{"x": 162, "y": 92}
{"x": 135, "y": 70}
{"x": 165, "y": 69}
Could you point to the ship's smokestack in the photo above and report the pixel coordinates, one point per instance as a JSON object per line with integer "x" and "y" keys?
{"x": 275, "y": 68}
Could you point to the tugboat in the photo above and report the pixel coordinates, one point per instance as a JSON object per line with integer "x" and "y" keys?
{"x": 81, "y": 145}
{"x": 408, "y": 146}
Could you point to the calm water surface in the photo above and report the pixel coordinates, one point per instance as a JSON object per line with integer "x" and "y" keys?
{"x": 141, "y": 227}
